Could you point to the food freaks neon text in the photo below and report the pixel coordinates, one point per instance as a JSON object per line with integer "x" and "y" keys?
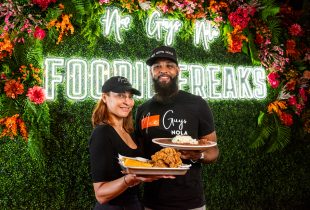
{"x": 83, "y": 79}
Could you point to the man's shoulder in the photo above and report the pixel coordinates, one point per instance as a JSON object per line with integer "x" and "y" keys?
{"x": 146, "y": 103}
{"x": 186, "y": 95}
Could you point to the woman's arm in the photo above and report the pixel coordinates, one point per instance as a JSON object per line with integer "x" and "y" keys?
{"x": 106, "y": 191}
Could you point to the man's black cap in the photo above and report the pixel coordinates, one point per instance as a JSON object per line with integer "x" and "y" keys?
{"x": 118, "y": 84}
{"x": 162, "y": 52}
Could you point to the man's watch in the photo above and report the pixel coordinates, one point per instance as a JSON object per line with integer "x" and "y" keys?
{"x": 202, "y": 156}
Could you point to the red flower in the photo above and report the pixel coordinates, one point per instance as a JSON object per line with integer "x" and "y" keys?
{"x": 290, "y": 85}
{"x": 259, "y": 39}
{"x": 295, "y": 30}
{"x": 36, "y": 95}
{"x": 43, "y": 3}
{"x": 239, "y": 18}
{"x": 3, "y": 76}
{"x": 273, "y": 79}
{"x": 39, "y": 33}
{"x": 292, "y": 100}
{"x": 286, "y": 119}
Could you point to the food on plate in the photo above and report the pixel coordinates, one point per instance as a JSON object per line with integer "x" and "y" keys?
{"x": 167, "y": 158}
{"x": 136, "y": 163}
{"x": 184, "y": 140}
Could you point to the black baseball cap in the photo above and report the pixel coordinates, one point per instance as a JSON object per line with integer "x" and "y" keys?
{"x": 118, "y": 84}
{"x": 162, "y": 52}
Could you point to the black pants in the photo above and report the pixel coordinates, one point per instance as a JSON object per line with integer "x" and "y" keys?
{"x": 135, "y": 205}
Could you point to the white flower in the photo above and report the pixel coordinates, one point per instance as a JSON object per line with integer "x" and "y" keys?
{"x": 145, "y": 5}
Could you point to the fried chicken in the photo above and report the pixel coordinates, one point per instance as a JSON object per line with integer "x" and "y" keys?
{"x": 167, "y": 158}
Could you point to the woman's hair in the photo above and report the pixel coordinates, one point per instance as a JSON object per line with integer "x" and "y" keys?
{"x": 101, "y": 116}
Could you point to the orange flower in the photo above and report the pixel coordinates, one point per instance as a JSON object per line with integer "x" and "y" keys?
{"x": 64, "y": 26}
{"x": 13, "y": 88}
{"x": 276, "y": 107}
{"x": 6, "y": 46}
{"x": 11, "y": 127}
{"x": 235, "y": 39}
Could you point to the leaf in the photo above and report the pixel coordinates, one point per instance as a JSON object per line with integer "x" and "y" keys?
{"x": 260, "y": 118}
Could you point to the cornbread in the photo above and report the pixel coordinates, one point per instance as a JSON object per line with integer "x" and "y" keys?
{"x": 136, "y": 163}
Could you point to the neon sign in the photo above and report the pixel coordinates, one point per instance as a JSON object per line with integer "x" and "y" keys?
{"x": 157, "y": 27}
{"x": 83, "y": 79}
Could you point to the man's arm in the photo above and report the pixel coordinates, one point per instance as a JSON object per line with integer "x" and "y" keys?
{"x": 209, "y": 155}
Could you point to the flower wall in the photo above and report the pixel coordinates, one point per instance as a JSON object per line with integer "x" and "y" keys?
{"x": 269, "y": 34}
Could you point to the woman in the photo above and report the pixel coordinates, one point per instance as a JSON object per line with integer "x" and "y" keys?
{"x": 113, "y": 126}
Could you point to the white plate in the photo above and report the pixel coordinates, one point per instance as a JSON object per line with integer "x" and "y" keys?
{"x": 152, "y": 170}
{"x": 167, "y": 142}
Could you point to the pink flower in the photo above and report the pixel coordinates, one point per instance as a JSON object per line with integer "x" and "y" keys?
{"x": 3, "y": 76}
{"x": 273, "y": 79}
{"x": 295, "y": 30}
{"x": 36, "y": 94}
{"x": 292, "y": 100}
{"x": 39, "y": 33}
{"x": 43, "y": 3}
{"x": 101, "y": 2}
{"x": 303, "y": 94}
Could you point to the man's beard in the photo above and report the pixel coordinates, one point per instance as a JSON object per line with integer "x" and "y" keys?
{"x": 165, "y": 91}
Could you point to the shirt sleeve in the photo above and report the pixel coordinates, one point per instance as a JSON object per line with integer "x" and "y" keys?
{"x": 206, "y": 122}
{"x": 100, "y": 149}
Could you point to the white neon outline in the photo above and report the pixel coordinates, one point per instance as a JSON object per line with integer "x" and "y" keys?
{"x": 196, "y": 75}
{"x": 229, "y": 88}
{"x": 244, "y": 87}
{"x": 112, "y": 21}
{"x": 205, "y": 32}
{"x": 83, "y": 80}
{"x": 99, "y": 72}
{"x": 214, "y": 82}
{"x": 183, "y": 80}
{"x": 155, "y": 27}
{"x": 51, "y": 74}
{"x": 259, "y": 82}
{"x": 140, "y": 73}
{"x": 79, "y": 67}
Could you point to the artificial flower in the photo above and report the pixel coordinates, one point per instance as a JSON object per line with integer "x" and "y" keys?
{"x": 13, "y": 88}
{"x": 240, "y": 18}
{"x": 43, "y": 3}
{"x": 6, "y": 46}
{"x": 235, "y": 39}
{"x": 145, "y": 5}
{"x": 259, "y": 39}
{"x": 11, "y": 125}
{"x": 101, "y": 2}
{"x": 286, "y": 119}
{"x": 273, "y": 79}
{"x": 64, "y": 26}
{"x": 39, "y": 33}
{"x": 290, "y": 85}
{"x": 291, "y": 48}
{"x": 295, "y": 30}
{"x": 292, "y": 101}
{"x": 276, "y": 107}
{"x": 36, "y": 94}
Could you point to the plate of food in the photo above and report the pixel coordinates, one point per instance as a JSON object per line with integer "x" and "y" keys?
{"x": 184, "y": 143}
{"x": 164, "y": 162}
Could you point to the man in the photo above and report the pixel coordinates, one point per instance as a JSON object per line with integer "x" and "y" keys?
{"x": 169, "y": 113}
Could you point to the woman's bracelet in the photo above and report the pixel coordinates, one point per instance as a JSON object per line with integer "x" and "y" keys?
{"x": 126, "y": 183}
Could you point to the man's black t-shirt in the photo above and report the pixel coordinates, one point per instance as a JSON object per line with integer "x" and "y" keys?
{"x": 105, "y": 145}
{"x": 186, "y": 114}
